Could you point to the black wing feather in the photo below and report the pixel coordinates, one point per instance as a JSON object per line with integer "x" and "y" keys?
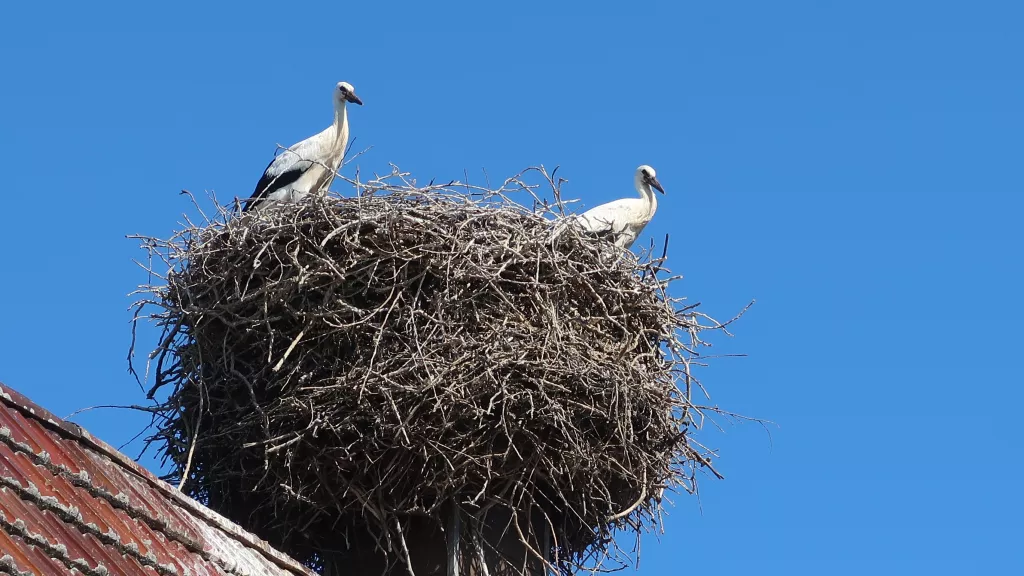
{"x": 270, "y": 182}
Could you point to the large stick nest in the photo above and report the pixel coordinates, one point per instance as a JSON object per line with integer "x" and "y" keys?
{"x": 332, "y": 373}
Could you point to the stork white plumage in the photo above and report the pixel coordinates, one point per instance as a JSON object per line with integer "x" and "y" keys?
{"x": 308, "y": 166}
{"x": 621, "y": 221}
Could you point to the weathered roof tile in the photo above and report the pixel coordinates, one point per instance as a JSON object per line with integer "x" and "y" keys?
{"x": 71, "y": 504}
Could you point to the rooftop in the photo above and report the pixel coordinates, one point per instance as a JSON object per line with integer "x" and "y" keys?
{"x": 71, "y": 504}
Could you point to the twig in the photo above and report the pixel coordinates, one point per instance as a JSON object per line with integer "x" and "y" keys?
{"x": 288, "y": 352}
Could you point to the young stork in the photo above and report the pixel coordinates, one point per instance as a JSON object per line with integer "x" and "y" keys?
{"x": 621, "y": 221}
{"x": 310, "y": 165}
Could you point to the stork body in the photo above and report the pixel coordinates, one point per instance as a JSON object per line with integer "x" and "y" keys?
{"x": 621, "y": 221}
{"x": 308, "y": 166}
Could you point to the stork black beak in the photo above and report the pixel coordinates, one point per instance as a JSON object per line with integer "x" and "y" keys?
{"x": 353, "y": 99}
{"x": 657, "y": 185}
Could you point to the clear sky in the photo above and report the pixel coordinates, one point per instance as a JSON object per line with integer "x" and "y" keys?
{"x": 854, "y": 166}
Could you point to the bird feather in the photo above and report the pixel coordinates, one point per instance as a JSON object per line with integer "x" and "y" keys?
{"x": 285, "y": 169}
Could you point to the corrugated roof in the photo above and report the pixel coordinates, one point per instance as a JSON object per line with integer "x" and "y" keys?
{"x": 71, "y": 504}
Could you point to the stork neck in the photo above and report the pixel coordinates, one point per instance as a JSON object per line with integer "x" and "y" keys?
{"x": 652, "y": 200}
{"x": 341, "y": 119}
{"x": 647, "y": 194}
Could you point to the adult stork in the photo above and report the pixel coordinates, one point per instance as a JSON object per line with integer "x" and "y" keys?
{"x": 309, "y": 166}
{"x": 621, "y": 221}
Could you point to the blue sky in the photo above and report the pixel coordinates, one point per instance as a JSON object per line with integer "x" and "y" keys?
{"x": 854, "y": 166}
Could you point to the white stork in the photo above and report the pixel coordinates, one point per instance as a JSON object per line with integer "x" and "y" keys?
{"x": 621, "y": 221}
{"x": 310, "y": 165}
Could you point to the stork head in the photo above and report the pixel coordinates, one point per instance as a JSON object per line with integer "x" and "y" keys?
{"x": 344, "y": 92}
{"x": 646, "y": 176}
